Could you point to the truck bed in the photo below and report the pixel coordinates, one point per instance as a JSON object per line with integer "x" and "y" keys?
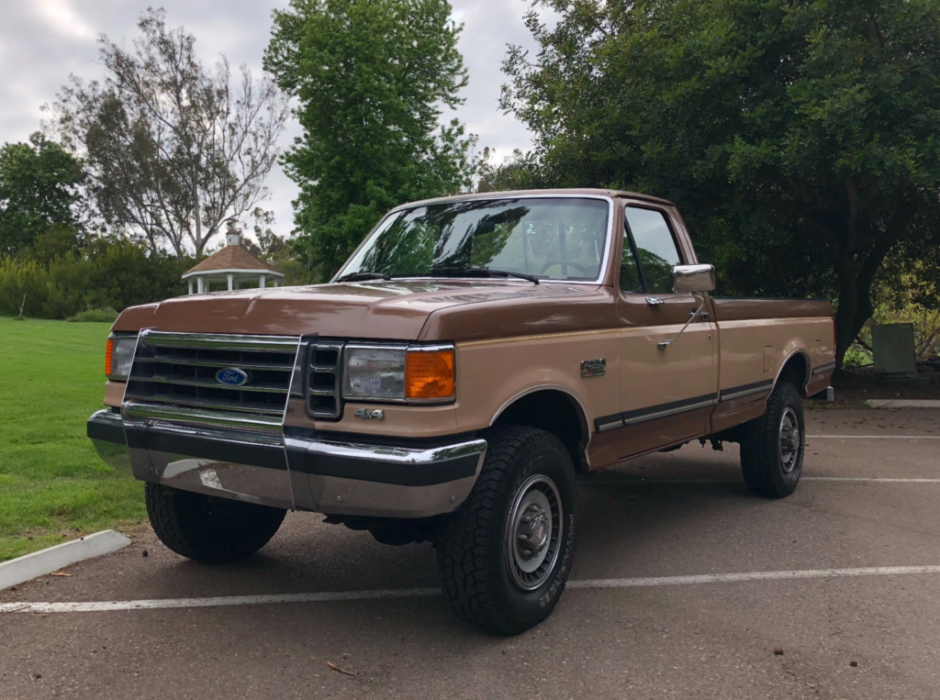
{"x": 744, "y": 309}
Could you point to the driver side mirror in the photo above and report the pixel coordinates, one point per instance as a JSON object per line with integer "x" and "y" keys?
{"x": 694, "y": 279}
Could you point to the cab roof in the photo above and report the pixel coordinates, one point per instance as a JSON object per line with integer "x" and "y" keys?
{"x": 509, "y": 194}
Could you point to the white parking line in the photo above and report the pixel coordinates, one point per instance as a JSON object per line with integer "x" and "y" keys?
{"x": 873, "y": 479}
{"x": 864, "y": 479}
{"x": 752, "y": 576}
{"x": 218, "y": 602}
{"x": 427, "y": 592}
{"x": 874, "y": 437}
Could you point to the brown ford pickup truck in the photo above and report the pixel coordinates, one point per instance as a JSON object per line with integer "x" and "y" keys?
{"x": 471, "y": 359}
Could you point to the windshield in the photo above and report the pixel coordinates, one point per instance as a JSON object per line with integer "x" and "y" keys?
{"x": 548, "y": 238}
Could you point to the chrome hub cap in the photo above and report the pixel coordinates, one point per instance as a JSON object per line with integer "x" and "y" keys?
{"x": 790, "y": 440}
{"x": 534, "y": 529}
{"x": 534, "y": 532}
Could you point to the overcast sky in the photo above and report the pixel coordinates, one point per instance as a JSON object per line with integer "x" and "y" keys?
{"x": 43, "y": 41}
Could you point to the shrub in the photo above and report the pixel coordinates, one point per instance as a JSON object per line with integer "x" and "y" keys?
{"x": 105, "y": 315}
{"x": 925, "y": 320}
{"x": 105, "y": 274}
{"x": 856, "y": 357}
{"x": 22, "y": 280}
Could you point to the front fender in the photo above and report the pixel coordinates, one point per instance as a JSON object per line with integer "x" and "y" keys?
{"x": 494, "y": 374}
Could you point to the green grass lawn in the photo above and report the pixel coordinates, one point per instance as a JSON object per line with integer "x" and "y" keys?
{"x": 52, "y": 483}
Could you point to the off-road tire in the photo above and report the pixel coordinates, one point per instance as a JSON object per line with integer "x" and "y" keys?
{"x": 765, "y": 472}
{"x": 208, "y": 529}
{"x": 472, "y": 552}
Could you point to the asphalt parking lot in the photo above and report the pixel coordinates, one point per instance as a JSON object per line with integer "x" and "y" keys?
{"x": 684, "y": 585}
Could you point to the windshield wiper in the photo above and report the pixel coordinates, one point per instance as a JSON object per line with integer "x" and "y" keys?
{"x": 362, "y": 276}
{"x": 480, "y": 272}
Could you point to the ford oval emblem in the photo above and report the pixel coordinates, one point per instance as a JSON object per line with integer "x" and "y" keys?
{"x": 232, "y": 376}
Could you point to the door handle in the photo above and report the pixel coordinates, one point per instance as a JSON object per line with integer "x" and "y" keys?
{"x": 655, "y": 301}
{"x": 703, "y": 315}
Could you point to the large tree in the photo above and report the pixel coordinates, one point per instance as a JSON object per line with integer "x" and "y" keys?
{"x": 801, "y": 138}
{"x": 39, "y": 189}
{"x": 172, "y": 149}
{"x": 371, "y": 77}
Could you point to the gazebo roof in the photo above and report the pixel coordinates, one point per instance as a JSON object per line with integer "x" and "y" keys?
{"x": 232, "y": 259}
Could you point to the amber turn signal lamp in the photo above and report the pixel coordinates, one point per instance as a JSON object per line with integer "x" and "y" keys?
{"x": 108, "y": 355}
{"x": 429, "y": 375}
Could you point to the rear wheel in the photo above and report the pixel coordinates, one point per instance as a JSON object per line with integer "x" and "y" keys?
{"x": 208, "y": 529}
{"x": 505, "y": 555}
{"x": 772, "y": 446}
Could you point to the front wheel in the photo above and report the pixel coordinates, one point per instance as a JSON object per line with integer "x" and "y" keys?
{"x": 772, "y": 446}
{"x": 505, "y": 555}
{"x": 209, "y": 529}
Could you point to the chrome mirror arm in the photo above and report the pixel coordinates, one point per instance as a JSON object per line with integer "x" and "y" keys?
{"x": 666, "y": 343}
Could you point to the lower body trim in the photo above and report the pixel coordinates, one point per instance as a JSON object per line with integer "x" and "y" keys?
{"x": 737, "y": 392}
{"x": 641, "y": 415}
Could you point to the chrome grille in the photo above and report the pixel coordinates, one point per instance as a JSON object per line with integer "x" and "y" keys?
{"x": 324, "y": 400}
{"x": 179, "y": 369}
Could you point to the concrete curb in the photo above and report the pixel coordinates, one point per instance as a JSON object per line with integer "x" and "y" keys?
{"x": 54, "y": 558}
{"x": 903, "y": 403}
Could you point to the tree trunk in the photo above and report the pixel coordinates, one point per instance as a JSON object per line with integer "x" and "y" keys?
{"x": 848, "y": 308}
{"x": 855, "y": 279}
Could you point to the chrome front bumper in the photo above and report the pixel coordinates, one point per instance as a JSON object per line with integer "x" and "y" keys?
{"x": 283, "y": 470}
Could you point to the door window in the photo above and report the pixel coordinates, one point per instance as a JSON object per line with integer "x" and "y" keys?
{"x": 630, "y": 280}
{"x": 655, "y": 247}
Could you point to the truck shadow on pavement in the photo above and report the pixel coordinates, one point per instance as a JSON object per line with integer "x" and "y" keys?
{"x": 625, "y": 526}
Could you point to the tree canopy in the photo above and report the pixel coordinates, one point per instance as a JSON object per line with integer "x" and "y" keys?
{"x": 172, "y": 149}
{"x": 800, "y": 138}
{"x": 38, "y": 190}
{"x": 371, "y": 78}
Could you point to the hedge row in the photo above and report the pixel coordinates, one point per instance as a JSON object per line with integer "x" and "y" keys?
{"x": 105, "y": 273}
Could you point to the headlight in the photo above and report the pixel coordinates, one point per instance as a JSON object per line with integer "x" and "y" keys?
{"x": 118, "y": 356}
{"x": 374, "y": 373}
{"x": 419, "y": 374}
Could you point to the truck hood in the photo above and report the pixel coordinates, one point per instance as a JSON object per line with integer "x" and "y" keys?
{"x": 389, "y": 310}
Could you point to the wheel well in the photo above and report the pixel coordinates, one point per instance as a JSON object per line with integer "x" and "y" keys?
{"x": 795, "y": 372}
{"x": 555, "y": 412}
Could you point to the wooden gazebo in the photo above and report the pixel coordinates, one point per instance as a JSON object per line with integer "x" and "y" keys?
{"x": 232, "y": 266}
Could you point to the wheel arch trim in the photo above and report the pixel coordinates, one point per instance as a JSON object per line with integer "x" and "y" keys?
{"x": 786, "y": 363}
{"x": 577, "y": 404}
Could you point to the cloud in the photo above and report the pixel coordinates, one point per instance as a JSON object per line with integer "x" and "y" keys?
{"x": 489, "y": 27}
{"x": 59, "y": 16}
{"x": 42, "y": 42}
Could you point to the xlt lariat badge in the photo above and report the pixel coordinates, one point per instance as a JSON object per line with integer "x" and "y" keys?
{"x": 593, "y": 368}
{"x": 378, "y": 414}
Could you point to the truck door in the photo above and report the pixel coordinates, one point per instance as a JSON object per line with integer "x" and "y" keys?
{"x": 666, "y": 392}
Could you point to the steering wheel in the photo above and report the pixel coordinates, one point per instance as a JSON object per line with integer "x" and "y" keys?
{"x": 552, "y": 263}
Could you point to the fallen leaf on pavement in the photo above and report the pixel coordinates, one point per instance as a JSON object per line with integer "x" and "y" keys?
{"x": 59, "y": 573}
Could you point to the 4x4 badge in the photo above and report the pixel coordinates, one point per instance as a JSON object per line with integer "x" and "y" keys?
{"x": 370, "y": 415}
